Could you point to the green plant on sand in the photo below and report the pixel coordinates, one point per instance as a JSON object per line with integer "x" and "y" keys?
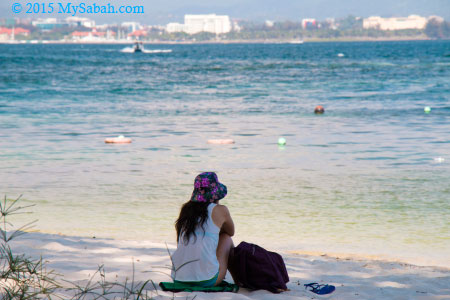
{"x": 97, "y": 287}
{"x": 25, "y": 278}
{"x": 21, "y": 277}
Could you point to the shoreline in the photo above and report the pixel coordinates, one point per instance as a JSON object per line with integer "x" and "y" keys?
{"x": 343, "y": 256}
{"x": 225, "y": 42}
{"x": 78, "y": 259}
{"x": 379, "y": 258}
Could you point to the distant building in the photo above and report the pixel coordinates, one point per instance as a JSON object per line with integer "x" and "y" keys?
{"x": 207, "y": 23}
{"x": 53, "y": 23}
{"x": 158, "y": 28}
{"x": 131, "y": 26}
{"x": 202, "y": 23}
{"x": 49, "y": 24}
{"x": 10, "y": 33}
{"x": 330, "y": 23}
{"x": 104, "y": 27}
{"x": 269, "y": 23}
{"x": 309, "y": 23}
{"x": 436, "y": 18}
{"x": 175, "y": 27}
{"x": 411, "y": 22}
{"x": 137, "y": 35}
{"x": 8, "y": 22}
{"x": 235, "y": 26}
{"x": 92, "y": 36}
{"x": 80, "y": 22}
{"x": 26, "y": 21}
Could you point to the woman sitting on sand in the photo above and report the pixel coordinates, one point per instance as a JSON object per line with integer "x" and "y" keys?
{"x": 204, "y": 231}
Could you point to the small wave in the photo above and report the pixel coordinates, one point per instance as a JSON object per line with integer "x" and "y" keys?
{"x": 247, "y": 134}
{"x": 127, "y": 50}
{"x": 72, "y": 134}
{"x": 206, "y": 68}
{"x": 131, "y": 50}
{"x": 158, "y": 149}
{"x": 319, "y": 145}
{"x": 158, "y": 51}
{"x": 377, "y": 158}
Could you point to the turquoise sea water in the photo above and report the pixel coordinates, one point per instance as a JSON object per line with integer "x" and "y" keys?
{"x": 370, "y": 176}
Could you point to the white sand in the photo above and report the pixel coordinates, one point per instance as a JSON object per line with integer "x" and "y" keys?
{"x": 78, "y": 258}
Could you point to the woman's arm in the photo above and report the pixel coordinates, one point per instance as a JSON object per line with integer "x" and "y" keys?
{"x": 221, "y": 216}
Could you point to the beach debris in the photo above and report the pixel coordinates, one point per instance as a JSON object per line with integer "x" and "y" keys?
{"x": 118, "y": 140}
{"x": 320, "y": 289}
{"x": 318, "y": 110}
{"x": 221, "y": 141}
{"x": 281, "y": 141}
{"x": 340, "y": 55}
{"x": 427, "y": 109}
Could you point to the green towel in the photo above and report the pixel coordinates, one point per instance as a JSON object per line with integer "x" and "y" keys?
{"x": 185, "y": 287}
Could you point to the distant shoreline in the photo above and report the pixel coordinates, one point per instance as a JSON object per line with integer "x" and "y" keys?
{"x": 309, "y": 40}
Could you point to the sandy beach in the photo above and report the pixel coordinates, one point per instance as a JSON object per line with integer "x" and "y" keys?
{"x": 356, "y": 198}
{"x": 77, "y": 259}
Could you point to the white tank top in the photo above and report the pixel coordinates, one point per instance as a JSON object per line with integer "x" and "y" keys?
{"x": 199, "y": 252}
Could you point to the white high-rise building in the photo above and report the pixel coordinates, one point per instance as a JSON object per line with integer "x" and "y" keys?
{"x": 202, "y": 23}
{"x": 269, "y": 23}
{"x": 175, "y": 27}
{"x": 131, "y": 26}
{"x": 411, "y": 22}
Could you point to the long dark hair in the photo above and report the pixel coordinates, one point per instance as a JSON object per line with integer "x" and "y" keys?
{"x": 192, "y": 214}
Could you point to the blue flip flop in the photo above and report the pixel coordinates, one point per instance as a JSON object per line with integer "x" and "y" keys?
{"x": 320, "y": 289}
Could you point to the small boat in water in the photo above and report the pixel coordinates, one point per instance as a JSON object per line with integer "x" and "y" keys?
{"x": 138, "y": 47}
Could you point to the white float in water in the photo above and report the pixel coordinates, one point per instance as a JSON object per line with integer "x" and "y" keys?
{"x": 118, "y": 140}
{"x": 340, "y": 55}
{"x": 439, "y": 159}
{"x": 221, "y": 141}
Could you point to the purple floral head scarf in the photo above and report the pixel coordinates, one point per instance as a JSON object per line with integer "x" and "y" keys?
{"x": 207, "y": 188}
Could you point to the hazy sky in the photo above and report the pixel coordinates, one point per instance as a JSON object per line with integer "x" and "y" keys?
{"x": 164, "y": 11}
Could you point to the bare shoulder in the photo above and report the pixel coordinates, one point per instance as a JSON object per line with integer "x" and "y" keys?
{"x": 222, "y": 209}
{"x": 220, "y": 215}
